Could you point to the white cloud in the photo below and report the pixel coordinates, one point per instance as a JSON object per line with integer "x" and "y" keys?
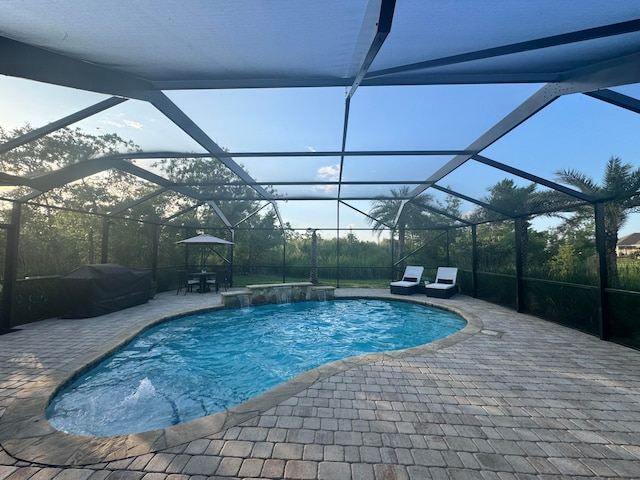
{"x": 120, "y": 122}
{"x": 112, "y": 123}
{"x": 328, "y": 173}
{"x": 133, "y": 124}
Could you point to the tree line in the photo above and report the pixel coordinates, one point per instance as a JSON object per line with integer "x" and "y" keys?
{"x": 58, "y": 236}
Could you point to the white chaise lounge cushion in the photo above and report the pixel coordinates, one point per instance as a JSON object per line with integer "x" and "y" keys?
{"x": 439, "y": 286}
{"x": 445, "y": 284}
{"x": 403, "y": 283}
{"x": 411, "y": 277}
{"x": 446, "y": 277}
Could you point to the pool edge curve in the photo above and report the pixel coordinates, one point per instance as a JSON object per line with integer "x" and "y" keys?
{"x": 26, "y": 434}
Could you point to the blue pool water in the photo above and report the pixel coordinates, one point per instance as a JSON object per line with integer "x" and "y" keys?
{"x": 201, "y": 364}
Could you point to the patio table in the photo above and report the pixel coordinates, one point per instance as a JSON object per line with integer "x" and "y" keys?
{"x": 203, "y": 277}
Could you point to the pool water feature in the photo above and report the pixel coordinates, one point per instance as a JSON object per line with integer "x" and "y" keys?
{"x": 201, "y": 364}
{"x": 283, "y": 294}
{"x": 244, "y": 301}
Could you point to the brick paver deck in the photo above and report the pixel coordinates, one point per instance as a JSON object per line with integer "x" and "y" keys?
{"x": 512, "y": 397}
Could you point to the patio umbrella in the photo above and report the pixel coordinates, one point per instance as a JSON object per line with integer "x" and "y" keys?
{"x": 205, "y": 239}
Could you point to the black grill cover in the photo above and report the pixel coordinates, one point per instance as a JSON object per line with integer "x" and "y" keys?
{"x": 94, "y": 290}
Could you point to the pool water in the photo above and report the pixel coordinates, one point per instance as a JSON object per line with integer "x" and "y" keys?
{"x": 200, "y": 364}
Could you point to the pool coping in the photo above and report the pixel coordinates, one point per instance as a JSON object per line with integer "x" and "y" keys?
{"x": 26, "y": 434}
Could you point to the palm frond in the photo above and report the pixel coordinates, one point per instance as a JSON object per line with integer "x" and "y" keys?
{"x": 578, "y": 180}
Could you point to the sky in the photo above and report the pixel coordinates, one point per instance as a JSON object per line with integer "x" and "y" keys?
{"x": 574, "y": 132}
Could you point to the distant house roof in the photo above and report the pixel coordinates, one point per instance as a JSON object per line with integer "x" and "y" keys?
{"x": 631, "y": 240}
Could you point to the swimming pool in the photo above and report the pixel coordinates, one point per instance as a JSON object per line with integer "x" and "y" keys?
{"x": 201, "y": 364}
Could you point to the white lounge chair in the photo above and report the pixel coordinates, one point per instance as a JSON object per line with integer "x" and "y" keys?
{"x": 410, "y": 281}
{"x": 445, "y": 285}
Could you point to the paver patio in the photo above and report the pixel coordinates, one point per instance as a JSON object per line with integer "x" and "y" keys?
{"x": 511, "y": 397}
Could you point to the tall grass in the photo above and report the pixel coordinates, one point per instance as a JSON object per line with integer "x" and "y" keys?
{"x": 628, "y": 274}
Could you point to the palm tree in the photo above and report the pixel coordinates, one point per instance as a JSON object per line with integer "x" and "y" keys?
{"x": 507, "y": 197}
{"x": 621, "y": 184}
{"x": 384, "y": 211}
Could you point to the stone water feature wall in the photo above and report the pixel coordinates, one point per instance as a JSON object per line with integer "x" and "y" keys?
{"x": 276, "y": 293}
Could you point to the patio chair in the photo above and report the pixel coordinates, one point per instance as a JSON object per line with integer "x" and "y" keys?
{"x": 185, "y": 282}
{"x": 212, "y": 281}
{"x": 409, "y": 283}
{"x": 445, "y": 285}
{"x": 222, "y": 276}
